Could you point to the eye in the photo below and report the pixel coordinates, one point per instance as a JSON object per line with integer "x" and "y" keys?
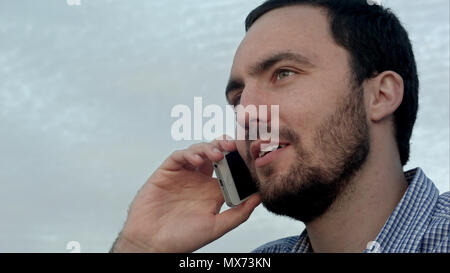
{"x": 281, "y": 74}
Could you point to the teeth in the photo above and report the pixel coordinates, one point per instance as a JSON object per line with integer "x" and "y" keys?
{"x": 271, "y": 149}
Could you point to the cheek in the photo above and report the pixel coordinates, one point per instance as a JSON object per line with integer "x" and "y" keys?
{"x": 308, "y": 105}
{"x": 303, "y": 117}
{"x": 298, "y": 115}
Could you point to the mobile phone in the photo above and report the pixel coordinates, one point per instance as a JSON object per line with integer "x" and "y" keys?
{"x": 235, "y": 180}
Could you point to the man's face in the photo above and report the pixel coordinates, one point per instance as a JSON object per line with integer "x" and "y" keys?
{"x": 288, "y": 58}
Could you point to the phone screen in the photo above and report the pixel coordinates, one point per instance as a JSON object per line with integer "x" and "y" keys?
{"x": 244, "y": 182}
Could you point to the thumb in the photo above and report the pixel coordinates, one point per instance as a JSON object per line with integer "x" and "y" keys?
{"x": 233, "y": 217}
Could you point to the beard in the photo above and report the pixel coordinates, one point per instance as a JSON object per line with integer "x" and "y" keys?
{"x": 308, "y": 190}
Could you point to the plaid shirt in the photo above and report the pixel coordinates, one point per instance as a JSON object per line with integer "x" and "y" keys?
{"x": 419, "y": 223}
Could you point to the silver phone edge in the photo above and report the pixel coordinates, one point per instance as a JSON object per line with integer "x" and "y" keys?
{"x": 221, "y": 180}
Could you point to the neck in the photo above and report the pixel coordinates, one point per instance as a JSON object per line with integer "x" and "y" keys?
{"x": 360, "y": 212}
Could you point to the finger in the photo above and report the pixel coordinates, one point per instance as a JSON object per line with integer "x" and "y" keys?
{"x": 219, "y": 197}
{"x": 225, "y": 143}
{"x": 208, "y": 151}
{"x": 175, "y": 161}
{"x": 194, "y": 155}
{"x": 206, "y": 168}
{"x": 215, "y": 193}
{"x": 182, "y": 159}
{"x": 194, "y": 161}
{"x": 219, "y": 204}
{"x": 233, "y": 217}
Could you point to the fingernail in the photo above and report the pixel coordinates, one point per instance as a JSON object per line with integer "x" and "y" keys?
{"x": 217, "y": 151}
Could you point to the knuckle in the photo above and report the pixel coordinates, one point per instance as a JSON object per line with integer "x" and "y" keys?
{"x": 177, "y": 152}
{"x": 207, "y": 147}
{"x": 192, "y": 147}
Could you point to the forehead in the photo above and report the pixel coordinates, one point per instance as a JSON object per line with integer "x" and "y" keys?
{"x": 302, "y": 29}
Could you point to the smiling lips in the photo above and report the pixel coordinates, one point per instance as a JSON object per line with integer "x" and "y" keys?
{"x": 271, "y": 149}
{"x": 263, "y": 158}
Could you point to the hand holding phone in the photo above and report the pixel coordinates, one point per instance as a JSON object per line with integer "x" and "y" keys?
{"x": 178, "y": 208}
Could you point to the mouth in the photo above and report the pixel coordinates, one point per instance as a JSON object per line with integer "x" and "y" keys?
{"x": 264, "y": 157}
{"x": 271, "y": 149}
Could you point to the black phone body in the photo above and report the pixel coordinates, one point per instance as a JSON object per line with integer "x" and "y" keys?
{"x": 235, "y": 180}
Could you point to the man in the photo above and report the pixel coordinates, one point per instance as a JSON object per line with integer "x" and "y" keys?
{"x": 344, "y": 76}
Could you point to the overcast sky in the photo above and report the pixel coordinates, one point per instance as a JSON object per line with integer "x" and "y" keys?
{"x": 86, "y": 94}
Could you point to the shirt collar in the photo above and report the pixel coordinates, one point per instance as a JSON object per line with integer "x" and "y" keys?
{"x": 406, "y": 224}
{"x": 399, "y": 233}
{"x": 303, "y": 245}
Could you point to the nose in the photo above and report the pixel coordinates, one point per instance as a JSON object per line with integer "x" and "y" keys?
{"x": 253, "y": 111}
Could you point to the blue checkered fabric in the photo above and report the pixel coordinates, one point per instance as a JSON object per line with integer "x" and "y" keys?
{"x": 420, "y": 223}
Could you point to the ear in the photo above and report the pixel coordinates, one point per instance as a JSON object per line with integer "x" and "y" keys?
{"x": 385, "y": 95}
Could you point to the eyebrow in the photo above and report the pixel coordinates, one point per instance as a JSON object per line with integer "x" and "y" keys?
{"x": 259, "y": 68}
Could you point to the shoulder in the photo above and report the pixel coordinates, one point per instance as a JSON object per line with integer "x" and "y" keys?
{"x": 442, "y": 208}
{"x": 284, "y": 245}
{"x": 437, "y": 237}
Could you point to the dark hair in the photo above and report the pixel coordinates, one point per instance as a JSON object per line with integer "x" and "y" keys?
{"x": 377, "y": 42}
